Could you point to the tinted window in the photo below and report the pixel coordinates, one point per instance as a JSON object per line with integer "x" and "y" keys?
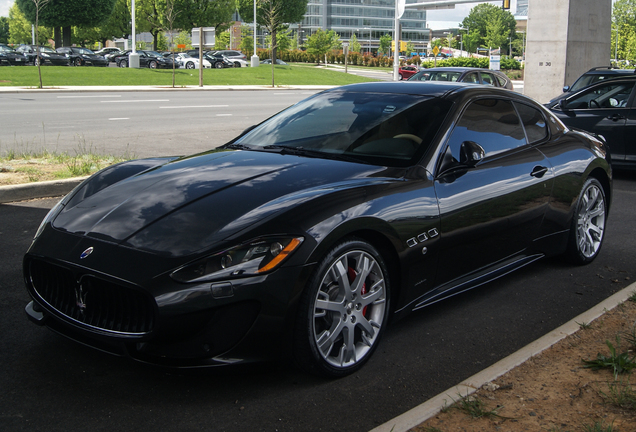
{"x": 610, "y": 95}
{"x": 491, "y": 123}
{"x": 533, "y": 121}
{"x": 384, "y": 129}
{"x": 487, "y": 78}
{"x": 472, "y": 77}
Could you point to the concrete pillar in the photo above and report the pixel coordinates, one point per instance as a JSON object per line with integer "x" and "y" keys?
{"x": 565, "y": 39}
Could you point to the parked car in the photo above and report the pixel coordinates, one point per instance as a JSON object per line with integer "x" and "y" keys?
{"x": 48, "y": 56}
{"x": 149, "y": 59}
{"x": 184, "y": 60}
{"x": 79, "y": 56}
{"x": 464, "y": 74}
{"x": 231, "y": 54}
{"x": 313, "y": 229}
{"x": 590, "y": 77}
{"x": 606, "y": 108}
{"x": 407, "y": 71}
{"x": 278, "y": 62}
{"x": 9, "y": 57}
{"x": 108, "y": 50}
{"x": 218, "y": 61}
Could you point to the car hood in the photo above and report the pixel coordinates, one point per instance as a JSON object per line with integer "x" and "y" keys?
{"x": 189, "y": 204}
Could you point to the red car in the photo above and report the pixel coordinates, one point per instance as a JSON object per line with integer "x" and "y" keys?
{"x": 405, "y": 72}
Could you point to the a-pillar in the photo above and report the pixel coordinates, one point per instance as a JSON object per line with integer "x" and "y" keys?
{"x": 565, "y": 39}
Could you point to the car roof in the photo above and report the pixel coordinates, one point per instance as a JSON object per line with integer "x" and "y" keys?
{"x": 427, "y": 88}
{"x": 604, "y": 70}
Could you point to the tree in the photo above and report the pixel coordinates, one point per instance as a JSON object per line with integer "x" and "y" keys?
{"x": 273, "y": 14}
{"x": 204, "y": 13}
{"x": 20, "y": 28}
{"x": 484, "y": 15}
{"x": 4, "y": 30}
{"x": 321, "y": 42}
{"x": 623, "y": 43}
{"x": 496, "y": 33}
{"x": 67, "y": 13}
{"x": 354, "y": 45}
{"x": 385, "y": 43}
{"x": 247, "y": 41}
{"x": 39, "y": 5}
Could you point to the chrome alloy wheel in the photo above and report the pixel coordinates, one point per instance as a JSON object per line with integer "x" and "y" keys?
{"x": 590, "y": 225}
{"x": 349, "y": 309}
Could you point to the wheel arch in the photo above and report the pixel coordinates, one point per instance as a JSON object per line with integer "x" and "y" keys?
{"x": 601, "y": 175}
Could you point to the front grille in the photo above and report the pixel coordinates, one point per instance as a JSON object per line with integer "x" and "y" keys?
{"x": 91, "y": 301}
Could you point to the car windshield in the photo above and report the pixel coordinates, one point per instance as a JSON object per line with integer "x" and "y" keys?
{"x": 378, "y": 128}
{"x": 84, "y": 51}
{"x": 153, "y": 54}
{"x": 436, "y": 76}
{"x": 5, "y": 49}
{"x": 47, "y": 50}
{"x": 589, "y": 79}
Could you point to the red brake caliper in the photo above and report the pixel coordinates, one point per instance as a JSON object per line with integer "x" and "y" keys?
{"x": 351, "y": 273}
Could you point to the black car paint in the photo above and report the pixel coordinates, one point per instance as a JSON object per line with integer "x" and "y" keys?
{"x": 147, "y": 59}
{"x": 9, "y": 57}
{"x": 82, "y": 56}
{"x": 50, "y": 57}
{"x": 155, "y": 216}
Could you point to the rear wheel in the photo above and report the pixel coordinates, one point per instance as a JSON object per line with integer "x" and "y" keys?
{"x": 78, "y": 62}
{"x": 343, "y": 310}
{"x": 123, "y": 64}
{"x": 152, "y": 64}
{"x": 218, "y": 65}
{"x": 189, "y": 65}
{"x": 588, "y": 224}
{"x": 400, "y": 77}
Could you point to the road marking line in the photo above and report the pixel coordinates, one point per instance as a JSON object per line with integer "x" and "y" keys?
{"x": 147, "y": 100}
{"x": 119, "y": 118}
{"x": 93, "y": 96}
{"x": 224, "y": 115}
{"x": 194, "y": 106}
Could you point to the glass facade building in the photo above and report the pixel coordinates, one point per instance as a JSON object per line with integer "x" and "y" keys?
{"x": 367, "y": 19}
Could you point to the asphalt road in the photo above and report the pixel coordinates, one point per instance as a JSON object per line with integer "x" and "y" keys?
{"x": 50, "y": 383}
{"x": 141, "y": 123}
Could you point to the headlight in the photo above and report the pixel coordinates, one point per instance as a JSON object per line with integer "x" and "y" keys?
{"x": 254, "y": 258}
{"x": 44, "y": 55}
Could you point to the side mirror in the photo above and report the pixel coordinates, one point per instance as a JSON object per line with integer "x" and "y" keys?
{"x": 563, "y": 104}
{"x": 566, "y": 88}
{"x": 471, "y": 153}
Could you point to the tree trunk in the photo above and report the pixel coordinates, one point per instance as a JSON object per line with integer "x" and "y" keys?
{"x": 66, "y": 36}
{"x": 273, "y": 53}
{"x": 57, "y": 36}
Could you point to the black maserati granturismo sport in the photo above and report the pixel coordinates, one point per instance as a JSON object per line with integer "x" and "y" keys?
{"x": 307, "y": 234}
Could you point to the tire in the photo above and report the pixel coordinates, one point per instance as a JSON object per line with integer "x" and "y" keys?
{"x": 343, "y": 310}
{"x": 152, "y": 64}
{"x": 237, "y": 64}
{"x": 36, "y": 61}
{"x": 189, "y": 65}
{"x": 400, "y": 77}
{"x": 587, "y": 229}
{"x": 77, "y": 62}
{"x": 218, "y": 65}
{"x": 123, "y": 64}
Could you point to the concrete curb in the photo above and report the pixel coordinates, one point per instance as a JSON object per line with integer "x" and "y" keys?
{"x": 44, "y": 189}
{"x": 160, "y": 88}
{"x": 433, "y": 406}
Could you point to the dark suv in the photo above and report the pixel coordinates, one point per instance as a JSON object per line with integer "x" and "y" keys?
{"x": 590, "y": 77}
{"x": 606, "y": 108}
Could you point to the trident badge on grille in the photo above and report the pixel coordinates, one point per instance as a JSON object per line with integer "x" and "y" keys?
{"x": 80, "y": 298}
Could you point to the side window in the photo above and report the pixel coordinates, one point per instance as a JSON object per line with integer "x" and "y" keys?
{"x": 501, "y": 80}
{"x": 533, "y": 121}
{"x": 610, "y": 95}
{"x": 491, "y": 123}
{"x": 487, "y": 78}
{"x": 471, "y": 78}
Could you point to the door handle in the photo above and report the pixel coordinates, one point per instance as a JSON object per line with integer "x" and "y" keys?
{"x": 539, "y": 171}
{"x": 616, "y": 117}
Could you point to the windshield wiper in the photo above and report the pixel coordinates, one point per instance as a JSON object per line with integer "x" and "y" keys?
{"x": 301, "y": 151}
{"x": 237, "y": 147}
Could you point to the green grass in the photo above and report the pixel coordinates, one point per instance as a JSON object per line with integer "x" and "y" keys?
{"x": 55, "y": 76}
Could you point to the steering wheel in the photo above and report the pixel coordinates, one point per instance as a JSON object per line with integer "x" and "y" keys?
{"x": 417, "y": 140}
{"x": 594, "y": 102}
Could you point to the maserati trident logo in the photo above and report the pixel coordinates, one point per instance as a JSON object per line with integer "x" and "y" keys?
{"x": 80, "y": 298}
{"x": 86, "y": 253}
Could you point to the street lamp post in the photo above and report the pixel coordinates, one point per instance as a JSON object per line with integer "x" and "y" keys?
{"x": 254, "y": 60}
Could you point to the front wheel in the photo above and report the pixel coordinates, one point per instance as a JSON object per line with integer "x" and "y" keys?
{"x": 189, "y": 65}
{"x": 400, "y": 77}
{"x": 123, "y": 64}
{"x": 588, "y": 224}
{"x": 78, "y": 62}
{"x": 152, "y": 64}
{"x": 343, "y": 310}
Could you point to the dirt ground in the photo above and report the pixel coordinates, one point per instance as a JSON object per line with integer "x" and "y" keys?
{"x": 554, "y": 391}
